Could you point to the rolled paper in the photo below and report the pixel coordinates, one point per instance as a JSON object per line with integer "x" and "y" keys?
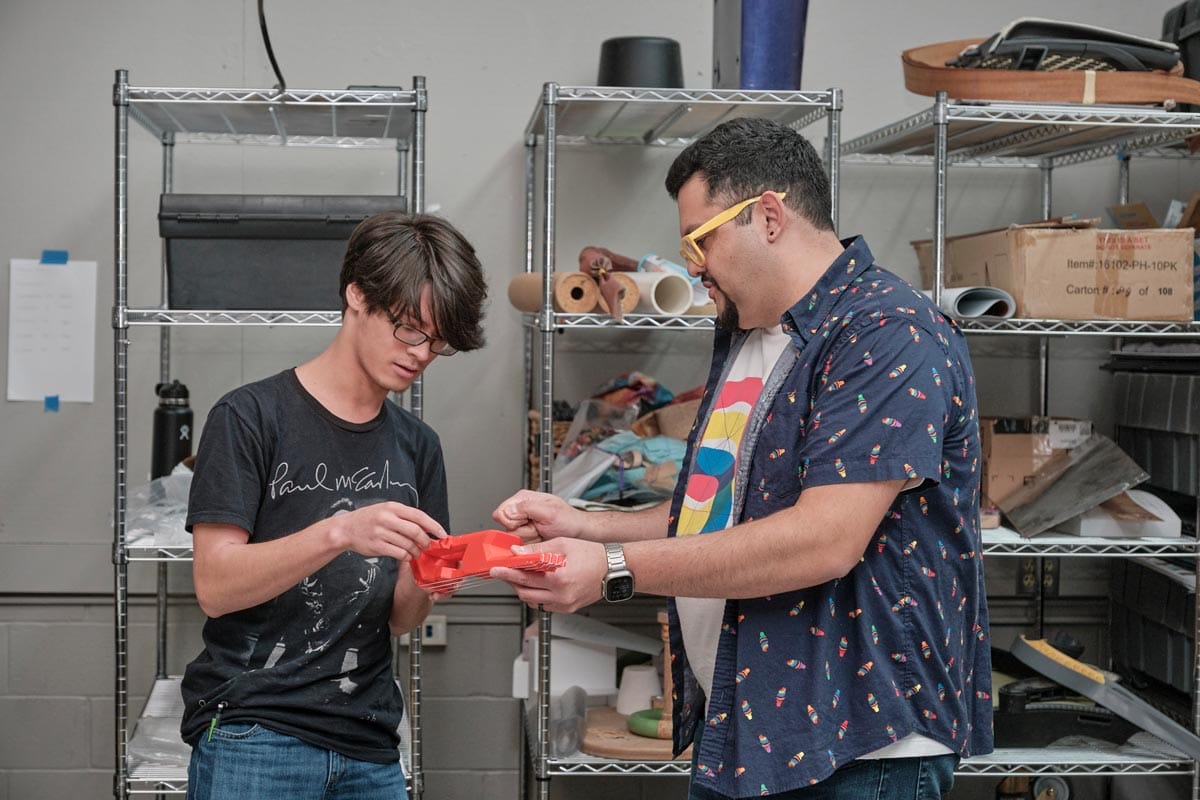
{"x": 970, "y": 302}
{"x": 653, "y": 263}
{"x": 664, "y": 293}
{"x": 629, "y": 299}
{"x": 573, "y": 292}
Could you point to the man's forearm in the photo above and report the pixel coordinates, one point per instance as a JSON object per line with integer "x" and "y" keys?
{"x": 626, "y": 526}
{"x": 410, "y": 603}
{"x": 233, "y": 575}
{"x": 821, "y": 538}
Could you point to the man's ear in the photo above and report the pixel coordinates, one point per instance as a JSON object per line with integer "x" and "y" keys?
{"x": 774, "y": 214}
{"x": 354, "y": 297}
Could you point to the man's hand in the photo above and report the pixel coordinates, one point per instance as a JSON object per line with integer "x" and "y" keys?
{"x": 536, "y": 516}
{"x": 387, "y": 529}
{"x": 566, "y": 589}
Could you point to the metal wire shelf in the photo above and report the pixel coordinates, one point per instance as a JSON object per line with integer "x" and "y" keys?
{"x": 367, "y": 118}
{"x": 163, "y": 772}
{"x": 166, "y": 316}
{"x": 1007, "y": 542}
{"x": 666, "y": 117}
{"x": 1038, "y": 134}
{"x": 1099, "y": 327}
{"x": 1003, "y": 761}
{"x": 1056, "y": 760}
{"x": 627, "y": 322}
{"x": 377, "y": 118}
{"x": 164, "y": 553}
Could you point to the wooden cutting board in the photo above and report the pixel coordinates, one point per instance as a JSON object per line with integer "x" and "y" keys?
{"x": 606, "y": 735}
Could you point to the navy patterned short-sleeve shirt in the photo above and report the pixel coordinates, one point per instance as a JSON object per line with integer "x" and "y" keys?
{"x": 879, "y": 387}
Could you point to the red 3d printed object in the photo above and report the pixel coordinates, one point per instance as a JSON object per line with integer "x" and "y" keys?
{"x": 464, "y": 560}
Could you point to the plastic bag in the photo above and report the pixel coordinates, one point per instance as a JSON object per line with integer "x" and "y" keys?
{"x": 155, "y": 512}
{"x": 594, "y": 422}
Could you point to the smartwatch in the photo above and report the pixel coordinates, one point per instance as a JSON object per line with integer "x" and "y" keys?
{"x": 618, "y": 583}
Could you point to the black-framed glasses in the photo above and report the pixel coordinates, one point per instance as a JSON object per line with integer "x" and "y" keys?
{"x": 414, "y": 337}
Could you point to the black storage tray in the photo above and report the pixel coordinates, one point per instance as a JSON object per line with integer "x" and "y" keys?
{"x": 260, "y": 252}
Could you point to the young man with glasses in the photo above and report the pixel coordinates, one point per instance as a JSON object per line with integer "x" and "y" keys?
{"x": 822, "y": 550}
{"x": 311, "y": 495}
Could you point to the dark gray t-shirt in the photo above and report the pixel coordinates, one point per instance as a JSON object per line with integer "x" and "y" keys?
{"x": 316, "y": 661}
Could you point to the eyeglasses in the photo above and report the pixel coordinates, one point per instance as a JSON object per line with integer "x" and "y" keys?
{"x": 689, "y": 245}
{"x": 413, "y": 337}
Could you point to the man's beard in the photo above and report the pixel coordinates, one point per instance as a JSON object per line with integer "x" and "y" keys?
{"x": 728, "y": 318}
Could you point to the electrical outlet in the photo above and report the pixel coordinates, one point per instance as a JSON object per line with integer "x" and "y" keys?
{"x": 1050, "y": 576}
{"x": 433, "y": 632}
{"x": 1027, "y": 576}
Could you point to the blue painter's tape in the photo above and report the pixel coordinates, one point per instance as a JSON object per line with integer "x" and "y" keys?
{"x": 50, "y": 402}
{"x": 54, "y": 257}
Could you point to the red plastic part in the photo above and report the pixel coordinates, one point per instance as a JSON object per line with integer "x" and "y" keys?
{"x": 448, "y": 561}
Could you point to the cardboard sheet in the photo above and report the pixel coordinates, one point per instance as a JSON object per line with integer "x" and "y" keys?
{"x": 1071, "y": 483}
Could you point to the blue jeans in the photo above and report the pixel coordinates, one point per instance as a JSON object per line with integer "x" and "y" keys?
{"x": 249, "y": 762}
{"x": 924, "y": 778}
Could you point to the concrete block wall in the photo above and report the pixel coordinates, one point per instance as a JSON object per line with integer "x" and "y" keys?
{"x": 55, "y": 740}
{"x": 57, "y": 690}
{"x": 470, "y": 721}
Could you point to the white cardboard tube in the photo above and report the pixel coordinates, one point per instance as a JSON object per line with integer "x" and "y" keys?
{"x": 662, "y": 293}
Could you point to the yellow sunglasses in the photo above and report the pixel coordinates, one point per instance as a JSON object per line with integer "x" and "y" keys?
{"x": 689, "y": 246}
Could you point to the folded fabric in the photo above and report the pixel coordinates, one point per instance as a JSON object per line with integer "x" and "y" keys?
{"x": 969, "y": 302}
{"x": 639, "y": 468}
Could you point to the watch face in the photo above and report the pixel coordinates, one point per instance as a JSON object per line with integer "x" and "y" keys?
{"x": 618, "y": 588}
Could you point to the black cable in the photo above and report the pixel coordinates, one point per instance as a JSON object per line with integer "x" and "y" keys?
{"x": 262, "y": 24}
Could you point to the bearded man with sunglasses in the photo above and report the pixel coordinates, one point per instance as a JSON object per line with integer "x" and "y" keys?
{"x": 312, "y": 494}
{"x": 822, "y": 550}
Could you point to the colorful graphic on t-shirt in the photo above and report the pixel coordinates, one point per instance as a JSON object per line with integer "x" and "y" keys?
{"x": 708, "y": 501}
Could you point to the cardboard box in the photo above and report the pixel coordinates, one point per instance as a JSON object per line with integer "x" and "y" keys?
{"x": 981, "y": 259}
{"x": 1190, "y": 218}
{"x": 1131, "y": 514}
{"x": 1057, "y": 272}
{"x": 1179, "y": 215}
{"x": 674, "y": 420}
{"x": 1015, "y": 448}
{"x": 1103, "y": 274}
{"x": 1133, "y": 217}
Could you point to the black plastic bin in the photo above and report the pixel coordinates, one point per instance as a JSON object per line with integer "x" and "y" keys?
{"x": 260, "y": 252}
{"x": 1181, "y": 25}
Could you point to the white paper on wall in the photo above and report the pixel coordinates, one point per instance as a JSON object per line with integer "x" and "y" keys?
{"x": 52, "y": 330}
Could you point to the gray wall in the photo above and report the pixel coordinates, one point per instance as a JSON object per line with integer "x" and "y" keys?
{"x": 485, "y": 63}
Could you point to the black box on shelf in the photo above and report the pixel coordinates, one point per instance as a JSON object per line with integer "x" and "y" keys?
{"x": 260, "y": 252}
{"x": 1153, "y": 620}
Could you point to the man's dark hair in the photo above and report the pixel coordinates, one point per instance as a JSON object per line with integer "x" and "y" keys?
{"x": 393, "y": 256}
{"x": 745, "y": 157}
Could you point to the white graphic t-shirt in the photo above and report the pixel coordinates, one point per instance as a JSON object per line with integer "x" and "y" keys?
{"x": 708, "y": 499}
